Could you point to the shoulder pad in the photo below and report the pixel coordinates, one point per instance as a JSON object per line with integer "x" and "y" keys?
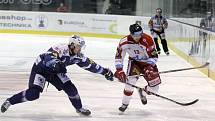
{"x": 61, "y": 49}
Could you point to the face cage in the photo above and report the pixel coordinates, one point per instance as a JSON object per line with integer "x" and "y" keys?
{"x": 81, "y": 46}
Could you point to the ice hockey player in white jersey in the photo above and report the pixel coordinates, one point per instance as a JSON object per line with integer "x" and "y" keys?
{"x": 157, "y": 25}
{"x": 142, "y": 59}
{"x": 51, "y": 67}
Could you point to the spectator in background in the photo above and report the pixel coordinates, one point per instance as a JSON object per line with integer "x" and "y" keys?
{"x": 62, "y": 8}
{"x": 113, "y": 8}
{"x": 206, "y": 23}
{"x": 198, "y": 46}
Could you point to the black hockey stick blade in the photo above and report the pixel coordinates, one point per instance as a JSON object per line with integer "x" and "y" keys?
{"x": 189, "y": 103}
{"x": 179, "y": 103}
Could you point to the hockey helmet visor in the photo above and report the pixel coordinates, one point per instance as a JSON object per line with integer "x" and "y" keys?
{"x": 137, "y": 34}
{"x": 135, "y": 30}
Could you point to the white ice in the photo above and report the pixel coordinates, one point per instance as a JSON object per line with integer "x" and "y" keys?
{"x": 102, "y": 97}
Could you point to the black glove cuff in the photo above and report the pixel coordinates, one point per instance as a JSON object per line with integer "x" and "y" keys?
{"x": 105, "y": 71}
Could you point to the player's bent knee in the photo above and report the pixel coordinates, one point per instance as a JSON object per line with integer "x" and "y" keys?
{"x": 32, "y": 94}
{"x": 131, "y": 80}
{"x": 128, "y": 93}
{"x": 153, "y": 89}
{"x": 70, "y": 89}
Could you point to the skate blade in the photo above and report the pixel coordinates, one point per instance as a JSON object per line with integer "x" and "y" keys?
{"x": 121, "y": 113}
{"x": 82, "y": 115}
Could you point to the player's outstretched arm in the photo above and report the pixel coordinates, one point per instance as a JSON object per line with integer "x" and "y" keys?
{"x": 89, "y": 65}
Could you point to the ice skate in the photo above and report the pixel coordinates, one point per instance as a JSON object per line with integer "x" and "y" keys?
{"x": 167, "y": 53}
{"x": 142, "y": 97}
{"x": 123, "y": 107}
{"x": 83, "y": 111}
{"x": 5, "y": 106}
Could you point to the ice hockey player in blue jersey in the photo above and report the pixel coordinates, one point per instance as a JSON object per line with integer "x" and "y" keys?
{"x": 51, "y": 67}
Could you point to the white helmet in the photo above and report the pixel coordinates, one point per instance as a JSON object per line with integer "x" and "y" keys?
{"x": 75, "y": 39}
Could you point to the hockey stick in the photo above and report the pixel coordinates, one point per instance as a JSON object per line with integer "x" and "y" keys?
{"x": 176, "y": 70}
{"x": 163, "y": 97}
{"x": 183, "y": 69}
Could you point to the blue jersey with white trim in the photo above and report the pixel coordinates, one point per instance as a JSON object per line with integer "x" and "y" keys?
{"x": 61, "y": 53}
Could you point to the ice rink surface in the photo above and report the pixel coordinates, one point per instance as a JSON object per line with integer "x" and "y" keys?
{"x": 102, "y": 97}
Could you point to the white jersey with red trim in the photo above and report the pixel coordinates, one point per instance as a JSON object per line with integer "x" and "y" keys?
{"x": 141, "y": 51}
